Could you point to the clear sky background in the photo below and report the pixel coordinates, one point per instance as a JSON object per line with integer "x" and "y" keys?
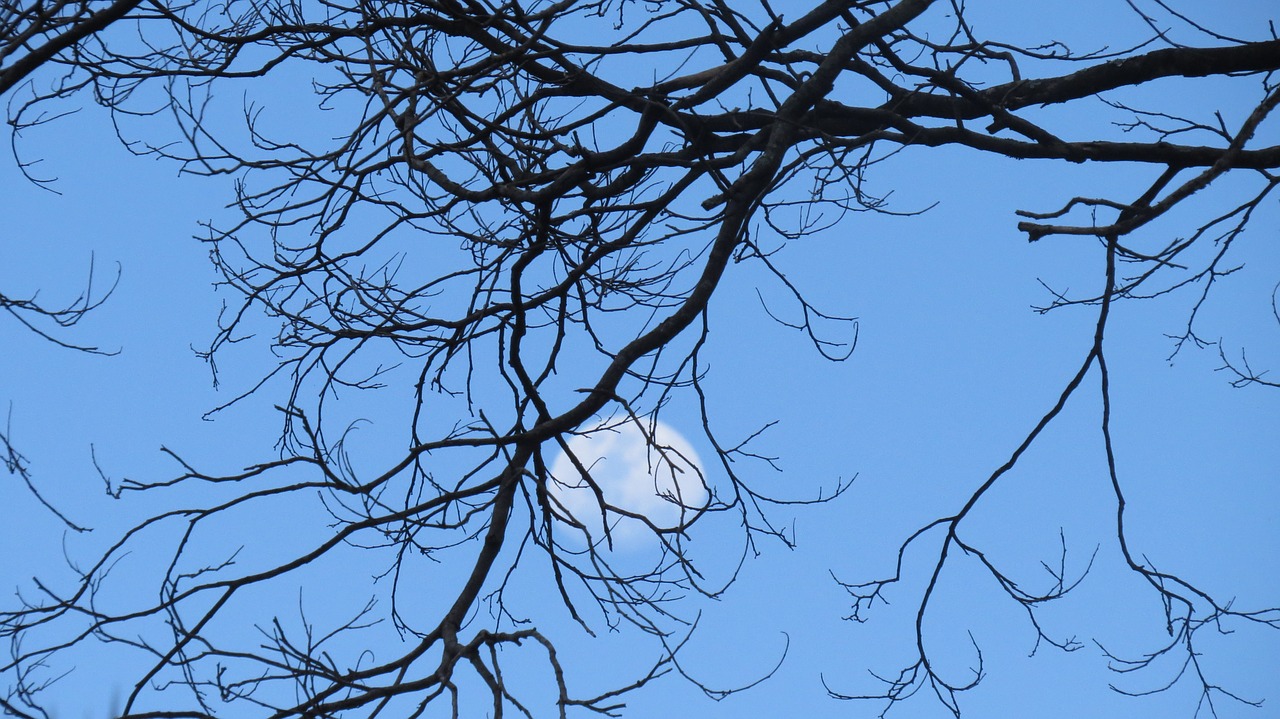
{"x": 951, "y": 370}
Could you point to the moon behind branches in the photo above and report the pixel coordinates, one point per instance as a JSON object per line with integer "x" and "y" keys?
{"x": 662, "y": 481}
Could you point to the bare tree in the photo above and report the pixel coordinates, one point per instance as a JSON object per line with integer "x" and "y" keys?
{"x": 516, "y": 235}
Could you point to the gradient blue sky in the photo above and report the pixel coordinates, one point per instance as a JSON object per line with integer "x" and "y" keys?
{"x": 951, "y": 370}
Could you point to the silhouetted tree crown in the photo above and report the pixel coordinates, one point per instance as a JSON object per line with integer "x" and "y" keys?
{"x": 512, "y": 218}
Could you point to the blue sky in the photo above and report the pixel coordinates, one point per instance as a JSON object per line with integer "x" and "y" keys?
{"x": 951, "y": 370}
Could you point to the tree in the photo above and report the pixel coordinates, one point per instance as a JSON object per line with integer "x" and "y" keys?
{"x": 509, "y": 222}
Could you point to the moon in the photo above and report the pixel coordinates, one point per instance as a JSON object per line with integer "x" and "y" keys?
{"x": 660, "y": 480}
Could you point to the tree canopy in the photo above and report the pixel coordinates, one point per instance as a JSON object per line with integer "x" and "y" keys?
{"x": 506, "y": 231}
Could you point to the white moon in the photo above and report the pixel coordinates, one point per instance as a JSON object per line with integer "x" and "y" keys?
{"x": 660, "y": 480}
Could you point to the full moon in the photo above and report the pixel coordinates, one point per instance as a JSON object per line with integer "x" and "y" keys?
{"x": 661, "y": 480}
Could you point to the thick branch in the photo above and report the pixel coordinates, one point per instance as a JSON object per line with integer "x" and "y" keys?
{"x": 1125, "y": 72}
